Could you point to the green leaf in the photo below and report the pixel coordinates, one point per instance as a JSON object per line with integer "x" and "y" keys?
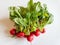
{"x": 30, "y": 5}
{"x": 23, "y": 11}
{"x": 45, "y": 6}
{"x": 38, "y": 6}
{"x": 28, "y": 15}
{"x": 14, "y": 13}
{"x": 50, "y": 19}
{"x": 16, "y": 20}
{"x": 20, "y": 21}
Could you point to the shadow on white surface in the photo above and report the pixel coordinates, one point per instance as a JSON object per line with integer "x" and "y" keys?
{"x": 6, "y": 24}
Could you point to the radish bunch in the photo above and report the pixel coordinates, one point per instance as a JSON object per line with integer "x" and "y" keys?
{"x": 29, "y": 21}
{"x": 28, "y": 37}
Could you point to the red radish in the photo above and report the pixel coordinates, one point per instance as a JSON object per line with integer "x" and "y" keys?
{"x": 20, "y": 34}
{"x": 32, "y": 33}
{"x": 43, "y": 31}
{"x": 30, "y": 38}
{"x": 37, "y": 33}
{"x": 26, "y": 36}
{"x": 13, "y": 31}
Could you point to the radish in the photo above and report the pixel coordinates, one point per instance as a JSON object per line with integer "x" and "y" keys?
{"x": 20, "y": 34}
{"x": 13, "y": 31}
{"x": 37, "y": 33}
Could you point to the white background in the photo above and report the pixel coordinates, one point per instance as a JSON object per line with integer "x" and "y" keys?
{"x": 52, "y": 35}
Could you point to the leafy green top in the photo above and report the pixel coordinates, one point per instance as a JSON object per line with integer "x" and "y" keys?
{"x": 27, "y": 19}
